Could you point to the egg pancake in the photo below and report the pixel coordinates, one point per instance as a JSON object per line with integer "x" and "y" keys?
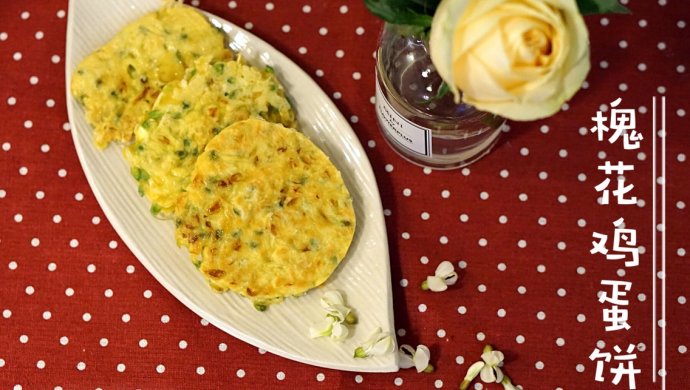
{"x": 118, "y": 83}
{"x": 266, "y": 214}
{"x": 187, "y": 114}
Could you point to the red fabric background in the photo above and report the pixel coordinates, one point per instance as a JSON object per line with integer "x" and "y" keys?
{"x": 85, "y": 291}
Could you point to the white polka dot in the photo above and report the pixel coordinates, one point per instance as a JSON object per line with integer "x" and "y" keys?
{"x": 580, "y": 368}
{"x": 482, "y": 242}
{"x": 40, "y": 195}
{"x": 462, "y": 264}
{"x": 323, "y": 31}
{"x": 306, "y": 9}
{"x": 18, "y": 218}
{"x": 581, "y": 318}
{"x": 464, "y": 217}
{"x": 52, "y": 267}
{"x": 320, "y": 377}
{"x": 560, "y": 341}
{"x": 81, "y": 366}
{"x": 682, "y": 349}
{"x": 523, "y": 197}
{"x": 522, "y": 290}
{"x": 11, "y": 101}
{"x": 126, "y": 318}
{"x": 7, "y": 313}
{"x": 285, "y": 28}
{"x": 280, "y": 375}
{"x": 519, "y": 339}
{"x": 222, "y": 347}
{"x": 501, "y": 266}
{"x": 522, "y": 244}
{"x": 33, "y": 80}
{"x": 55, "y": 59}
{"x": 501, "y": 313}
{"x": 47, "y": 315}
{"x": 120, "y": 367}
{"x": 86, "y": 317}
{"x": 103, "y": 342}
{"x": 403, "y": 282}
{"x": 91, "y": 268}
{"x": 249, "y": 26}
{"x": 108, "y": 293}
{"x": 23, "y": 171}
{"x": 502, "y": 219}
{"x": 682, "y": 300}
{"x": 270, "y": 7}
{"x": 398, "y": 381}
{"x": 481, "y": 288}
{"x": 3, "y": 36}
{"x": 160, "y": 368}
{"x": 581, "y": 270}
{"x": 541, "y": 268}
{"x": 356, "y": 75}
{"x": 524, "y": 151}
{"x": 680, "y": 68}
{"x": 232, "y": 4}
{"x": 441, "y": 333}
{"x": 561, "y": 292}
{"x": 130, "y": 269}
{"x": 73, "y": 243}
{"x": 25, "y": 15}
{"x": 389, "y": 168}
{"x": 17, "y": 56}
{"x": 6, "y": 146}
{"x": 541, "y": 315}
{"x": 35, "y": 242}
{"x": 28, "y": 124}
{"x": 465, "y": 171}
{"x": 424, "y": 260}
{"x": 359, "y": 30}
{"x": 421, "y": 308}
{"x": 240, "y": 373}
{"x": 200, "y": 370}
{"x": 405, "y": 235}
{"x": 481, "y": 336}
{"x": 539, "y": 365}
{"x": 402, "y": 332}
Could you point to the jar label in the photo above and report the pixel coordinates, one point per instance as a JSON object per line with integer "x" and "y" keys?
{"x": 406, "y": 133}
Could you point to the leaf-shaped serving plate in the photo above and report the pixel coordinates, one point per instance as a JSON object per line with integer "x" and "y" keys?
{"x": 363, "y": 277}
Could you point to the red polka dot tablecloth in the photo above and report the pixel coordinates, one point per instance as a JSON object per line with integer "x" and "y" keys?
{"x": 80, "y": 311}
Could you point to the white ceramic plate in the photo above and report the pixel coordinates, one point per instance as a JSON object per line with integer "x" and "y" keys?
{"x": 363, "y": 277}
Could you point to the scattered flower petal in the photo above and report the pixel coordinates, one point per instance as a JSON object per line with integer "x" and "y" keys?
{"x": 419, "y": 358}
{"x": 337, "y": 316}
{"x": 380, "y": 343}
{"x": 444, "y": 276}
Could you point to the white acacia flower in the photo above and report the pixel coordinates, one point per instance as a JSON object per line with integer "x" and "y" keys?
{"x": 380, "y": 343}
{"x": 444, "y": 276}
{"x": 489, "y": 370}
{"x": 419, "y": 358}
{"x": 338, "y": 315}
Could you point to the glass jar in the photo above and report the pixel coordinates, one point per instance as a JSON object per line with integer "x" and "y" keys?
{"x": 418, "y": 119}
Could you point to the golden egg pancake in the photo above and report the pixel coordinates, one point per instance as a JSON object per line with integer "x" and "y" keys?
{"x": 187, "y": 114}
{"x": 118, "y": 83}
{"x": 266, "y": 215}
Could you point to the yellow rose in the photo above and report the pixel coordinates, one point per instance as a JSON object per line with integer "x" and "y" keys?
{"x": 521, "y": 59}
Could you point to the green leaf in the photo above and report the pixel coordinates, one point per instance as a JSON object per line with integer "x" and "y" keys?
{"x": 589, "y": 7}
{"x": 409, "y": 12}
